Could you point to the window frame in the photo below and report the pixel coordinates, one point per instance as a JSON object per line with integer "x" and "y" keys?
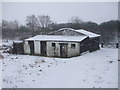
{"x": 53, "y": 45}
{"x": 73, "y": 45}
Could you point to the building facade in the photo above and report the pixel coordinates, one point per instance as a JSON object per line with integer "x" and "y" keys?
{"x": 54, "y": 46}
{"x": 91, "y": 44}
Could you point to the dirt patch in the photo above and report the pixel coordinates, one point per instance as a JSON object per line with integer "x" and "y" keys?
{"x": 1, "y": 57}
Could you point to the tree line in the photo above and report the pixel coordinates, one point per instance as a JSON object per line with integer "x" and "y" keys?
{"x": 43, "y": 24}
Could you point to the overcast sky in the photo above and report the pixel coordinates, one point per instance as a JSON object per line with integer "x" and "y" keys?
{"x": 61, "y": 12}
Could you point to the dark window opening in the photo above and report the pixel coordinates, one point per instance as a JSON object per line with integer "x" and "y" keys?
{"x": 53, "y": 44}
{"x": 72, "y": 45}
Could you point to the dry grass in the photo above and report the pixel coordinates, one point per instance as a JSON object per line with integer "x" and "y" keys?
{"x": 1, "y": 57}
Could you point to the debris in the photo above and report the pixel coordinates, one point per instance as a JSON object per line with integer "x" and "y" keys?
{"x": 6, "y": 49}
{"x": 1, "y": 57}
{"x": 31, "y": 65}
{"x": 40, "y": 70}
{"x": 48, "y": 65}
{"x": 38, "y": 74}
{"x": 110, "y": 61}
{"x": 16, "y": 58}
{"x": 43, "y": 60}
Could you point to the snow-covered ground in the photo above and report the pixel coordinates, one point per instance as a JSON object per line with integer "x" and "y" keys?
{"x": 98, "y": 69}
{"x": 7, "y": 42}
{"x": 119, "y": 65}
{"x": 0, "y": 74}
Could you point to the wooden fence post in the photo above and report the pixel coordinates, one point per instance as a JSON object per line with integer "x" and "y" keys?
{"x": 117, "y": 45}
{"x": 101, "y": 44}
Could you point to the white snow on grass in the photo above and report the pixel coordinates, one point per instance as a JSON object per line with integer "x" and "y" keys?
{"x": 7, "y": 42}
{"x": 98, "y": 69}
{"x": 0, "y": 74}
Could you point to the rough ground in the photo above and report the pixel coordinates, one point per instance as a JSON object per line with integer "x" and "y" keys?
{"x": 98, "y": 69}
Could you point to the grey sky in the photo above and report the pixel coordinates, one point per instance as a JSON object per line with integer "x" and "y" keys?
{"x": 0, "y": 12}
{"x": 61, "y": 12}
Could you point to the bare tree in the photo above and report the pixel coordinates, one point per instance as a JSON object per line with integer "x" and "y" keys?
{"x": 0, "y": 32}
{"x": 32, "y": 22}
{"x": 44, "y": 21}
{"x": 4, "y": 24}
{"x": 17, "y": 24}
{"x": 10, "y": 25}
{"x": 75, "y": 20}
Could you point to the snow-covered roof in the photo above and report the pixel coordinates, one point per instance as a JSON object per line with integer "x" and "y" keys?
{"x": 85, "y": 32}
{"x": 17, "y": 41}
{"x": 90, "y": 34}
{"x": 57, "y": 38}
{"x": 66, "y": 28}
{"x": 61, "y": 30}
{"x": 82, "y": 31}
